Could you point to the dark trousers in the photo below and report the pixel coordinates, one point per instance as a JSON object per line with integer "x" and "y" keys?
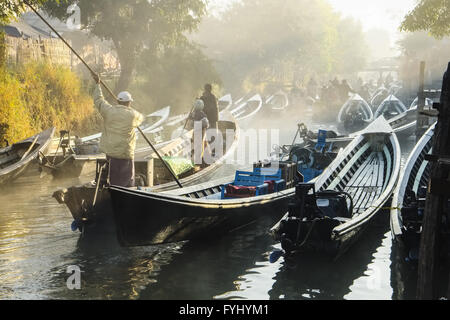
{"x": 121, "y": 172}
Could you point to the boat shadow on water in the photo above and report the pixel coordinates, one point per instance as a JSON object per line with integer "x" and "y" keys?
{"x": 206, "y": 269}
{"x": 317, "y": 276}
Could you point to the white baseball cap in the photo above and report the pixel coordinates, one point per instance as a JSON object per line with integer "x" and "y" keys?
{"x": 125, "y": 96}
{"x": 199, "y": 105}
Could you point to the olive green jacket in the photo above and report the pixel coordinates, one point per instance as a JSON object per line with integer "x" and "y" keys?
{"x": 119, "y": 127}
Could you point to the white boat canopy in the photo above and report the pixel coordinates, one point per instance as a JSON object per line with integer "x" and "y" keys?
{"x": 225, "y": 102}
{"x": 356, "y": 104}
{"x": 428, "y": 103}
{"x": 278, "y": 101}
{"x": 390, "y": 107}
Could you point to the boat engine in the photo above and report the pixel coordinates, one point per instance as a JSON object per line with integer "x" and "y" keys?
{"x": 312, "y": 218}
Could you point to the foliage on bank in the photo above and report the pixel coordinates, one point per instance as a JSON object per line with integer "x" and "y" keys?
{"x": 37, "y": 96}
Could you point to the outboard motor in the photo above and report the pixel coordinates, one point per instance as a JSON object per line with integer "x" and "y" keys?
{"x": 312, "y": 218}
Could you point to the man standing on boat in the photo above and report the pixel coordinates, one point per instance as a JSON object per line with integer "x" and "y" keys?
{"x": 212, "y": 113}
{"x": 211, "y": 107}
{"x": 118, "y": 139}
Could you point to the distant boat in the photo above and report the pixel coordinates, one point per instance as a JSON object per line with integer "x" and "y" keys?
{"x": 66, "y": 159}
{"x": 408, "y": 202}
{"x": 378, "y": 97}
{"x": 355, "y": 114}
{"x": 248, "y": 109}
{"x": 277, "y": 102}
{"x": 225, "y": 103}
{"x": 390, "y": 107}
{"x": 330, "y": 214}
{"x": 155, "y": 120}
{"x": 17, "y": 157}
{"x": 428, "y": 103}
{"x": 151, "y": 122}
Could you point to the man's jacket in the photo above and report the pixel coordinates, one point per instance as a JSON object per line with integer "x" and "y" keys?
{"x": 119, "y": 127}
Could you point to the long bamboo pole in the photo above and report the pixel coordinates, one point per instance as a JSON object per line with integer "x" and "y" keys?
{"x": 104, "y": 85}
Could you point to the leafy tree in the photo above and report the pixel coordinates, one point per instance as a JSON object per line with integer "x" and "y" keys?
{"x": 10, "y": 9}
{"x": 429, "y": 15}
{"x": 135, "y": 25}
{"x": 174, "y": 76}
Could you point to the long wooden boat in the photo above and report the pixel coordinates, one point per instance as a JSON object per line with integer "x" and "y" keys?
{"x": 71, "y": 157}
{"x": 409, "y": 197}
{"x": 354, "y": 115}
{"x": 378, "y": 97}
{"x": 329, "y": 215}
{"x": 96, "y": 217}
{"x": 17, "y": 157}
{"x": 225, "y": 103}
{"x": 248, "y": 109}
{"x": 155, "y": 120}
{"x": 390, "y": 108}
{"x": 428, "y": 103}
{"x": 175, "y": 125}
{"x": 144, "y": 217}
{"x": 277, "y": 102}
{"x": 151, "y": 122}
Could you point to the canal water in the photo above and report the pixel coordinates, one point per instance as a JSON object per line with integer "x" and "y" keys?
{"x": 38, "y": 250}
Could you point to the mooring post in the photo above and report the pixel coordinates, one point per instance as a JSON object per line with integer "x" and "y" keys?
{"x": 421, "y": 119}
{"x": 438, "y": 193}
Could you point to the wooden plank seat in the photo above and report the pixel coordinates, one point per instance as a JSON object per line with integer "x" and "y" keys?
{"x": 250, "y": 184}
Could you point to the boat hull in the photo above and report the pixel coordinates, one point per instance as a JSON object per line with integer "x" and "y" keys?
{"x": 12, "y": 172}
{"x": 143, "y": 219}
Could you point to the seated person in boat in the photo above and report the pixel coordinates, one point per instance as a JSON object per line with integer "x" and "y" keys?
{"x": 198, "y": 116}
{"x": 118, "y": 139}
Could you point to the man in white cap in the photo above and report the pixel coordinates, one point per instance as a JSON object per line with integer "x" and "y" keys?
{"x": 118, "y": 139}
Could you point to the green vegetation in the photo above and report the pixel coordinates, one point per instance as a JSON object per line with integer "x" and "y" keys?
{"x": 429, "y": 15}
{"x": 10, "y": 9}
{"x": 39, "y": 96}
{"x": 135, "y": 26}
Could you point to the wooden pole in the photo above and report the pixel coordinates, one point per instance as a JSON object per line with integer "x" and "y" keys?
{"x": 105, "y": 86}
{"x": 420, "y": 124}
{"x": 437, "y": 197}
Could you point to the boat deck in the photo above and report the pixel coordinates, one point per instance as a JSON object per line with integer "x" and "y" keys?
{"x": 366, "y": 185}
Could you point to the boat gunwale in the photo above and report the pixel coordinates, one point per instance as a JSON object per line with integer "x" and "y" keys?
{"x": 34, "y": 154}
{"x": 398, "y": 197}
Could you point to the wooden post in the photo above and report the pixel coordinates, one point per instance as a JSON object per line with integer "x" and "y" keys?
{"x": 421, "y": 119}
{"x": 437, "y": 196}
